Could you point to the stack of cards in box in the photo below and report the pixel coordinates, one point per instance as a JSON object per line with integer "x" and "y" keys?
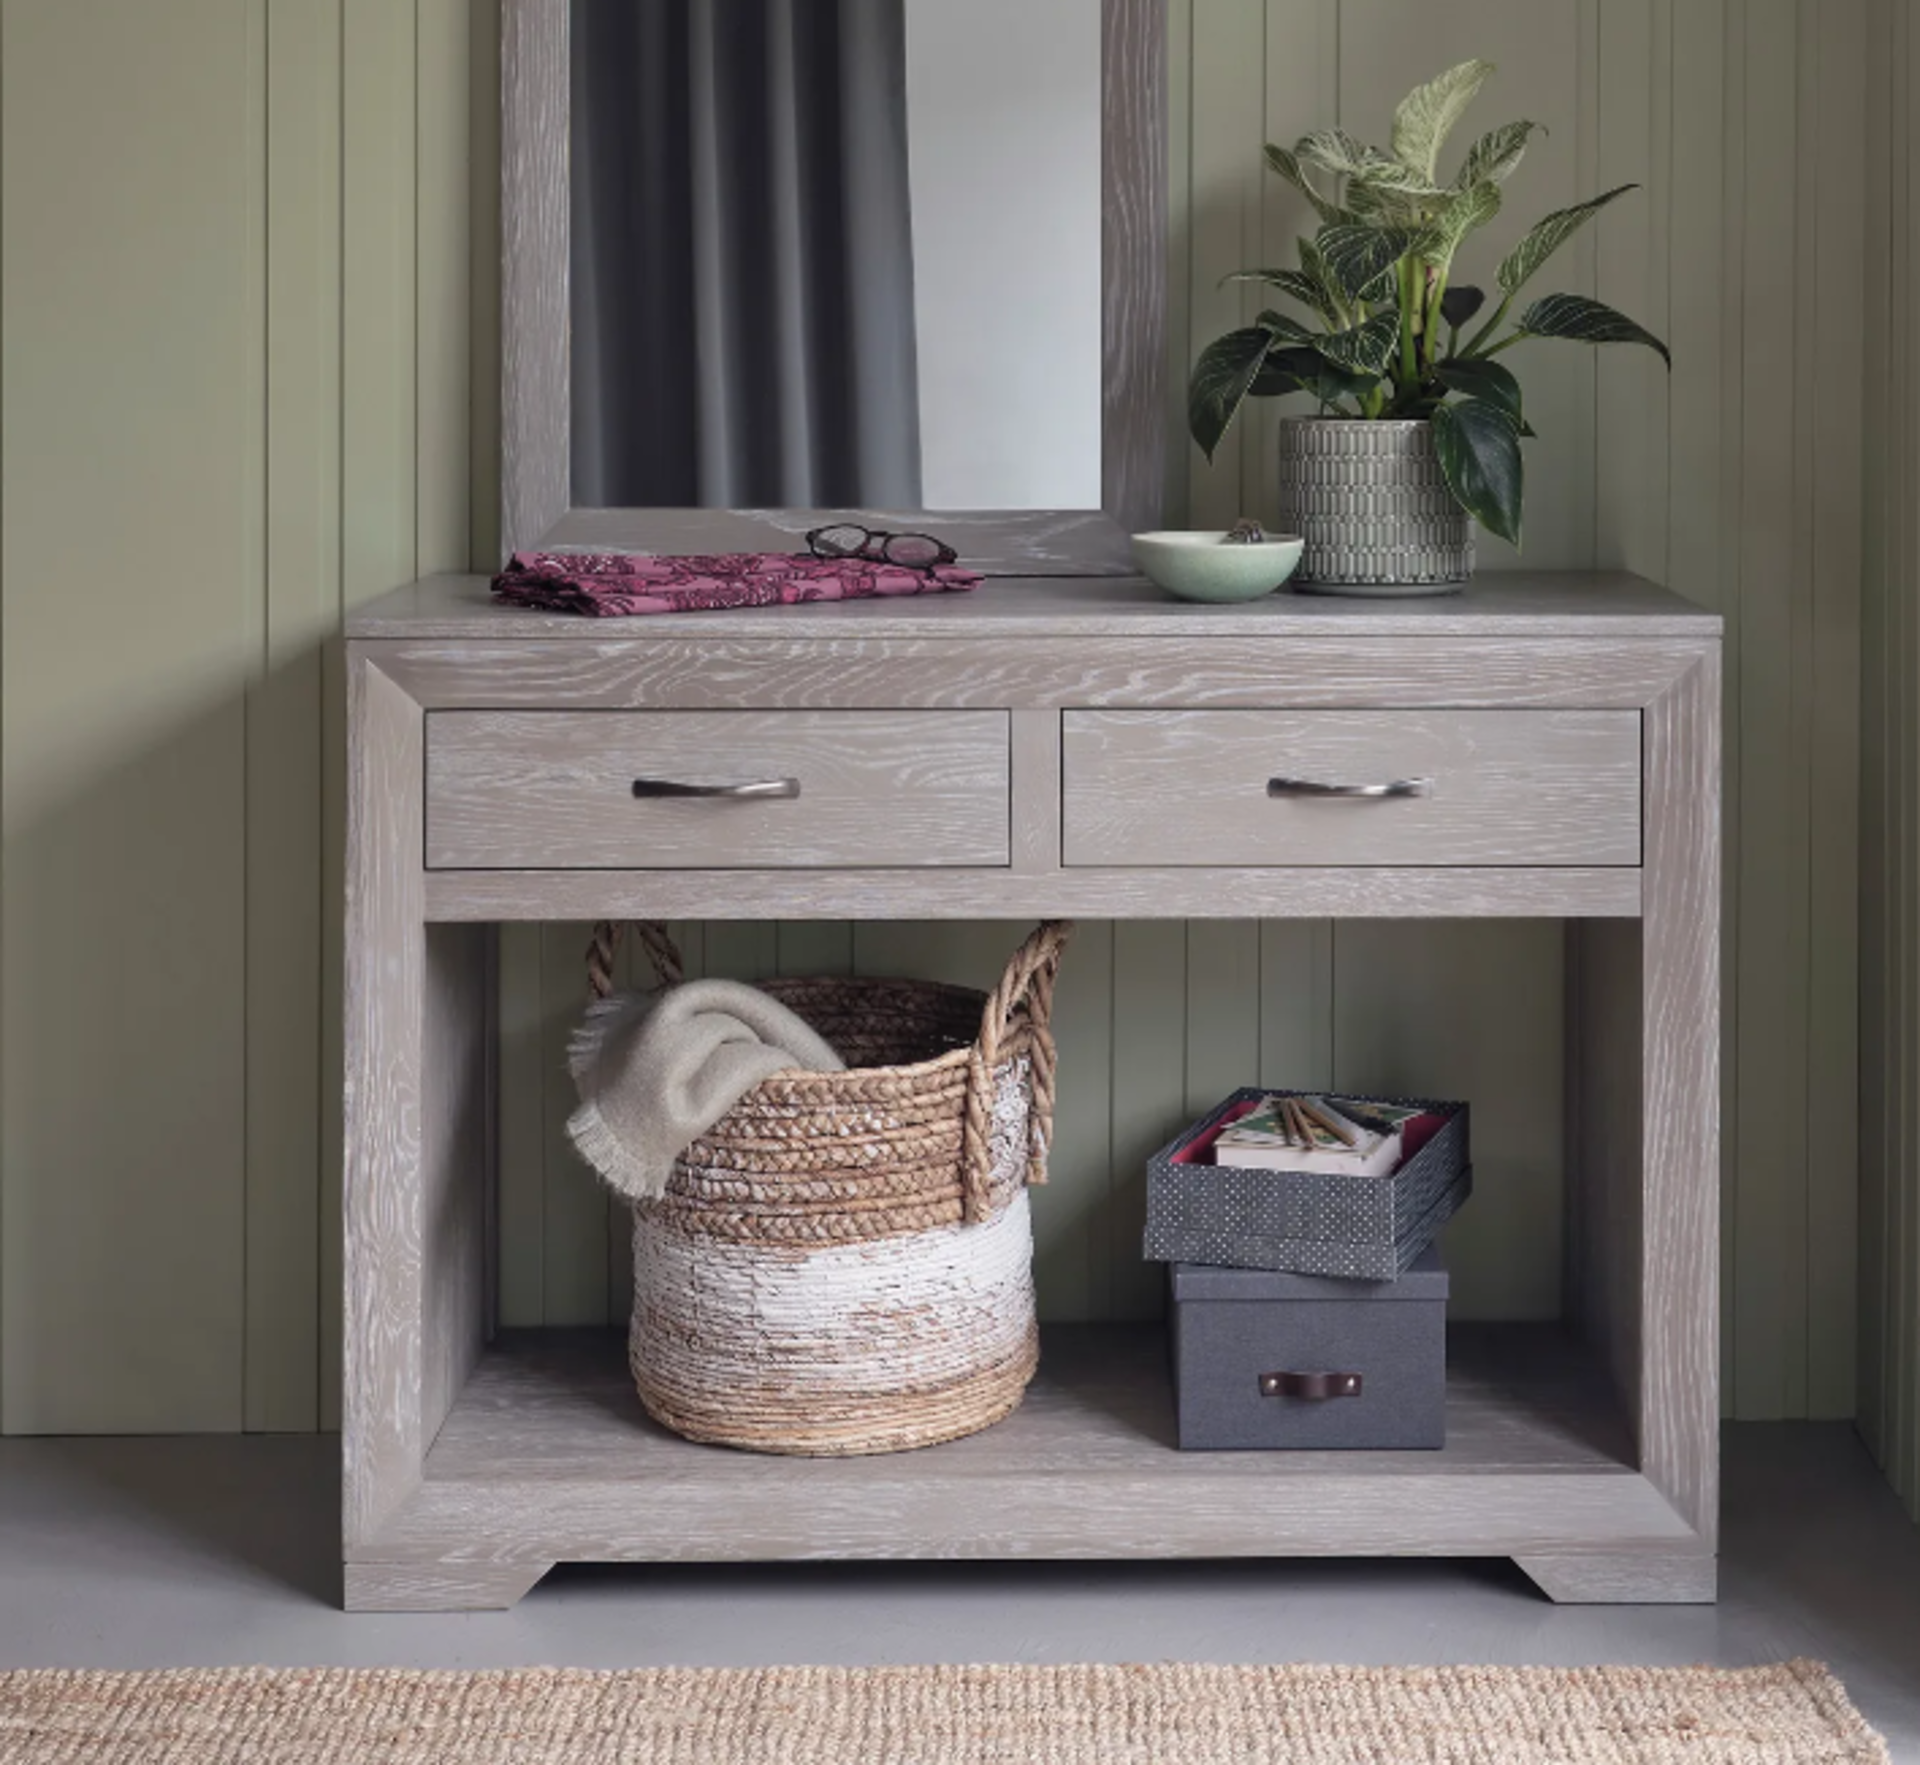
{"x": 1309, "y": 1183}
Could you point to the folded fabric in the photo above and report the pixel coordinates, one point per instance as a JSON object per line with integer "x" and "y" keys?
{"x": 603, "y": 585}
{"x": 656, "y": 1070}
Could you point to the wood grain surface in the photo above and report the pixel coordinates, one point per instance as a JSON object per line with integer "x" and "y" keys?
{"x": 1501, "y": 787}
{"x": 1513, "y": 604}
{"x": 511, "y": 790}
{"x": 548, "y": 1456}
{"x": 536, "y": 395}
{"x": 383, "y": 1436}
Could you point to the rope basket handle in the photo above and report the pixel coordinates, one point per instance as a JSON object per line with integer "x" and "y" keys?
{"x": 661, "y": 951}
{"x": 1027, "y": 984}
{"x": 1028, "y": 981}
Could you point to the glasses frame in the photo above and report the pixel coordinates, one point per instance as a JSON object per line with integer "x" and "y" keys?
{"x": 872, "y": 537}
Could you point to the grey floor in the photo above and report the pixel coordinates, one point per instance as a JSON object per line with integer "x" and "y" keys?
{"x": 220, "y": 1552}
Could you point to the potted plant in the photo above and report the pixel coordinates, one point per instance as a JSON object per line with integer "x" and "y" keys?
{"x": 1417, "y": 426}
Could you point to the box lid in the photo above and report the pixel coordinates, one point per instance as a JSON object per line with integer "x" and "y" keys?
{"x": 1425, "y": 1278}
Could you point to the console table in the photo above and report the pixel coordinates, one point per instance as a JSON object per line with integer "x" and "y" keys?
{"x": 1043, "y": 747}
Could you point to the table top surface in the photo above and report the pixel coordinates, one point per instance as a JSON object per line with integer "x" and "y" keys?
{"x": 1603, "y": 605}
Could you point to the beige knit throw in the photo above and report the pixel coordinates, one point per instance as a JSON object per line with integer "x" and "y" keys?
{"x": 1794, "y": 1714}
{"x": 656, "y": 1070}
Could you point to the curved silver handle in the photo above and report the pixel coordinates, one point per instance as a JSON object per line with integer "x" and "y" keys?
{"x": 763, "y": 787}
{"x": 1308, "y": 787}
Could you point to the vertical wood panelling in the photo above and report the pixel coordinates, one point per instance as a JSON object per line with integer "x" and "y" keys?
{"x": 1474, "y": 1010}
{"x": 1224, "y": 222}
{"x": 574, "y": 1216}
{"x": 132, "y": 440}
{"x": 1768, "y": 1129}
{"x": 286, "y": 1100}
{"x": 1889, "y": 1372}
{"x": 1147, "y": 1057}
{"x": 311, "y": 186}
{"x": 1833, "y": 38}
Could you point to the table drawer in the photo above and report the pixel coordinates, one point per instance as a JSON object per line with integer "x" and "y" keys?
{"x": 1249, "y": 788}
{"x": 561, "y": 790}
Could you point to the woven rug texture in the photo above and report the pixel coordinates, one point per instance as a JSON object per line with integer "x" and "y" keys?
{"x": 1794, "y": 1714}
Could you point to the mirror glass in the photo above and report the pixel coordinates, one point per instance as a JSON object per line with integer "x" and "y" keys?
{"x": 836, "y": 254}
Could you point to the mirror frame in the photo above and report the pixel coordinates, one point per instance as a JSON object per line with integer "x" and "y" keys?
{"x": 536, "y": 476}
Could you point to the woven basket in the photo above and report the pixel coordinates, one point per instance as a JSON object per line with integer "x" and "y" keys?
{"x": 843, "y": 1263}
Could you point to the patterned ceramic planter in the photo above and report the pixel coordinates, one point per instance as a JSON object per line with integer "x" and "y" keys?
{"x": 1374, "y": 508}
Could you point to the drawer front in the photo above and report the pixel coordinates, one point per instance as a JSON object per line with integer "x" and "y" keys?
{"x": 555, "y": 790}
{"x": 1243, "y": 788}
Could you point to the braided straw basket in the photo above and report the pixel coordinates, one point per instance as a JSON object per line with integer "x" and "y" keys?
{"x": 843, "y": 1263}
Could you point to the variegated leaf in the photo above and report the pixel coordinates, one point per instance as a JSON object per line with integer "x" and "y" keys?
{"x": 1549, "y": 235}
{"x": 1492, "y": 382}
{"x": 1472, "y": 208}
{"x": 1357, "y": 256}
{"x": 1333, "y": 150}
{"x": 1492, "y": 158}
{"x": 1366, "y": 349}
{"x": 1586, "y": 321}
{"x": 1288, "y": 166}
{"x": 1222, "y": 378}
{"x": 1297, "y": 283}
{"x": 1427, "y": 114}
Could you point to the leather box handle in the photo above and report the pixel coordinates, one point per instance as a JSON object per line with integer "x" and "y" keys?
{"x": 1313, "y": 1387}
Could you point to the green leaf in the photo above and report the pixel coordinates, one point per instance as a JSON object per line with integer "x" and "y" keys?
{"x": 1288, "y": 166}
{"x": 1586, "y": 321}
{"x": 1306, "y": 370}
{"x": 1297, "y": 283}
{"x": 1367, "y": 348}
{"x": 1357, "y": 255}
{"x": 1492, "y": 158}
{"x": 1491, "y": 382}
{"x": 1471, "y": 208}
{"x": 1427, "y": 114}
{"x": 1549, "y": 235}
{"x": 1479, "y": 448}
{"x": 1222, "y": 378}
{"x": 1460, "y": 303}
{"x": 1334, "y": 150}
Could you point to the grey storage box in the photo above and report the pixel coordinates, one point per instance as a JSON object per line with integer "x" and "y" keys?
{"x": 1309, "y": 1362}
{"x": 1307, "y": 1223}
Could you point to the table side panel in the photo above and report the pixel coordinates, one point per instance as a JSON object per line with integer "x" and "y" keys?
{"x": 382, "y": 1431}
{"x": 1680, "y": 1090}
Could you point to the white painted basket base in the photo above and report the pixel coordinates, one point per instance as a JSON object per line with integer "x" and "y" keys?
{"x": 874, "y": 1346}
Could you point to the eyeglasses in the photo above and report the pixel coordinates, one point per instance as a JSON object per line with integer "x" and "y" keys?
{"x": 912, "y": 551}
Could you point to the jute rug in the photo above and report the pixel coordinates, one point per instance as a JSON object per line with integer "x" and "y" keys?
{"x": 1795, "y": 1714}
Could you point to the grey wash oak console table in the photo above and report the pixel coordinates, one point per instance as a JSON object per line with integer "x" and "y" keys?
{"x": 1040, "y": 747}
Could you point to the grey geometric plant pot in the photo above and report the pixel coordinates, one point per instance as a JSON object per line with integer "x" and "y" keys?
{"x": 1374, "y": 508}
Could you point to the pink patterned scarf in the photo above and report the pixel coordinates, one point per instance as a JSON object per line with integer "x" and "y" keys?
{"x": 604, "y": 585}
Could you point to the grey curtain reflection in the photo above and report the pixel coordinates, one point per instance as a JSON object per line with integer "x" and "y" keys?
{"x": 742, "y": 260}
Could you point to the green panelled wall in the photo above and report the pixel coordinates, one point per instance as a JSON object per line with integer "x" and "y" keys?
{"x": 1890, "y": 872}
{"x": 249, "y": 361}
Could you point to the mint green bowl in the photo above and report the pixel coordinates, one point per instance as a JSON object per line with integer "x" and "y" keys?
{"x": 1198, "y": 566}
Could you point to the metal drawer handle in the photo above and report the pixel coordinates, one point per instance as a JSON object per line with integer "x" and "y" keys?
{"x": 1308, "y": 787}
{"x": 757, "y": 788}
{"x": 1314, "y": 1387}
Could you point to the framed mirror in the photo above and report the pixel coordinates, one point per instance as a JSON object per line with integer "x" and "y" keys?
{"x": 770, "y": 264}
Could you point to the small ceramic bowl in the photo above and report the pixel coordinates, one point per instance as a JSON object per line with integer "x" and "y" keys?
{"x": 1202, "y": 567}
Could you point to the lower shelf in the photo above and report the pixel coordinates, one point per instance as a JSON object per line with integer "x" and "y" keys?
{"x": 546, "y": 1457}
